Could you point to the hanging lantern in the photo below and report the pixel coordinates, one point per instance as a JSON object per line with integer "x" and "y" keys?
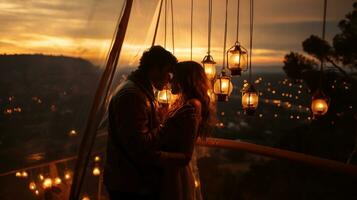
{"x": 250, "y": 99}
{"x": 223, "y": 87}
{"x": 165, "y": 97}
{"x": 237, "y": 57}
{"x": 210, "y": 67}
{"x": 319, "y": 104}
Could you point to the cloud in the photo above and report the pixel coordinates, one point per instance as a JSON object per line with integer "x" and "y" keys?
{"x": 85, "y": 27}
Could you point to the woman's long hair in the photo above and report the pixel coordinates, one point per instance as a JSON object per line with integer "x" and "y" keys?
{"x": 194, "y": 84}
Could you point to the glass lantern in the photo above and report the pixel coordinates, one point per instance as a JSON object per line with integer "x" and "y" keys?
{"x": 237, "y": 57}
{"x": 210, "y": 67}
{"x": 223, "y": 87}
{"x": 165, "y": 97}
{"x": 319, "y": 104}
{"x": 250, "y": 99}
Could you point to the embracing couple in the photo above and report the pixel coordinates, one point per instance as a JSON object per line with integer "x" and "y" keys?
{"x": 148, "y": 158}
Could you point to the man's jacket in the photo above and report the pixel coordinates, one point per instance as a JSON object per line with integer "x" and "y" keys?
{"x": 133, "y": 138}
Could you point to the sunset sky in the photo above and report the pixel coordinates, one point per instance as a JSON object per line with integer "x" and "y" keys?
{"x": 84, "y": 28}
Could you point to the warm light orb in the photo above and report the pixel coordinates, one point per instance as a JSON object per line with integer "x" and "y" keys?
{"x": 96, "y": 171}
{"x": 67, "y": 175}
{"x": 210, "y": 67}
{"x": 32, "y": 185}
{"x": 85, "y": 198}
{"x": 223, "y": 87}
{"x": 319, "y": 107}
{"x": 24, "y": 174}
{"x": 41, "y": 177}
{"x": 319, "y": 104}
{"x": 250, "y": 99}
{"x": 197, "y": 183}
{"x": 72, "y": 132}
{"x": 96, "y": 158}
{"x": 18, "y": 174}
{"x": 37, "y": 192}
{"x": 47, "y": 183}
{"x": 57, "y": 181}
{"x": 237, "y": 59}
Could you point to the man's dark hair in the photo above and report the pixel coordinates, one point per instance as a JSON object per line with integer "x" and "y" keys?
{"x": 157, "y": 56}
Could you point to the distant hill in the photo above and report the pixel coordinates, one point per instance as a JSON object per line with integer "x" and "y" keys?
{"x": 42, "y": 97}
{"x": 40, "y": 73}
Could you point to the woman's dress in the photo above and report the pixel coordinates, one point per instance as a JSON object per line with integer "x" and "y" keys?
{"x": 178, "y": 179}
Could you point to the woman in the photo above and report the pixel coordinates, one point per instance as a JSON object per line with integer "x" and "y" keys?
{"x": 190, "y": 117}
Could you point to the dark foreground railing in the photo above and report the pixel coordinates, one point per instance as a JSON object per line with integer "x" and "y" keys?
{"x": 317, "y": 162}
{"x": 272, "y": 152}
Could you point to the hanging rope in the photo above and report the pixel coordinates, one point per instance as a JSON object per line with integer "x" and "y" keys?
{"x": 324, "y": 20}
{"x": 209, "y": 25}
{"x": 323, "y": 31}
{"x": 323, "y": 37}
{"x": 165, "y": 26}
{"x": 251, "y": 22}
{"x": 237, "y": 20}
{"x": 172, "y": 28}
{"x": 191, "y": 25}
{"x": 157, "y": 24}
{"x": 225, "y": 37}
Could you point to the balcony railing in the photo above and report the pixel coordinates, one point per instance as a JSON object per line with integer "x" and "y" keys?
{"x": 238, "y": 146}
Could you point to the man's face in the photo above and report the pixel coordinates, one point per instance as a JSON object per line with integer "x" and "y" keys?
{"x": 161, "y": 77}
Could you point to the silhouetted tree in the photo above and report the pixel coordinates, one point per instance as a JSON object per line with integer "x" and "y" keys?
{"x": 345, "y": 42}
{"x": 342, "y": 54}
{"x": 295, "y": 64}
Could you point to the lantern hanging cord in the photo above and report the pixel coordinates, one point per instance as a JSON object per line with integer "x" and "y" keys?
{"x": 165, "y": 25}
{"x": 191, "y": 25}
{"x": 172, "y": 28}
{"x": 251, "y": 38}
{"x": 157, "y": 24}
{"x": 225, "y": 38}
{"x": 237, "y": 33}
{"x": 323, "y": 38}
{"x": 209, "y": 25}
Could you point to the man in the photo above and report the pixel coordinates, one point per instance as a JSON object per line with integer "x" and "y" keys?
{"x": 130, "y": 170}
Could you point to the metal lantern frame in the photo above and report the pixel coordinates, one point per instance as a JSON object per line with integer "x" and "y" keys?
{"x": 221, "y": 95}
{"x": 208, "y": 59}
{"x": 250, "y": 108}
{"x": 319, "y": 95}
{"x": 165, "y": 102}
{"x": 237, "y": 68}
